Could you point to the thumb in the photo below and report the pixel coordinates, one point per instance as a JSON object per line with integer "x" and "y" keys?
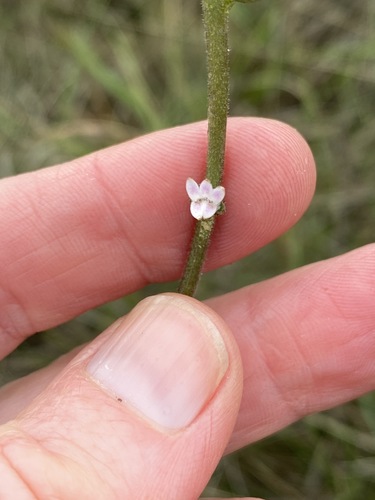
{"x": 143, "y": 412}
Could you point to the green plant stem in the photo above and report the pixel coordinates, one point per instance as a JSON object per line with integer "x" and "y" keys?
{"x": 194, "y": 264}
{"x": 215, "y": 20}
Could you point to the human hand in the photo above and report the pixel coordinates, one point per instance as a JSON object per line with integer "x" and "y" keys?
{"x": 81, "y": 234}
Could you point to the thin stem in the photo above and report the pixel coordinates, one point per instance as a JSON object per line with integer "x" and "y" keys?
{"x": 199, "y": 246}
{"x": 215, "y": 20}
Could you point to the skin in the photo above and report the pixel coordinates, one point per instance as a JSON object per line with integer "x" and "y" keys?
{"x": 80, "y": 234}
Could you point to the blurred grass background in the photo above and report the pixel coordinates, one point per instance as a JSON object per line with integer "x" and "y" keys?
{"x": 78, "y": 76}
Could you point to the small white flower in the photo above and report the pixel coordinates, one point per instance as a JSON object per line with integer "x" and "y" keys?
{"x": 205, "y": 200}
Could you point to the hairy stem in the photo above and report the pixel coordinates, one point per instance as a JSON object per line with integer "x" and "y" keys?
{"x": 215, "y": 20}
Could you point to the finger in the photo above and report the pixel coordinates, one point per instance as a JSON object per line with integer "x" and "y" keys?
{"x": 144, "y": 412}
{"x": 18, "y": 394}
{"x": 306, "y": 339}
{"x": 89, "y": 231}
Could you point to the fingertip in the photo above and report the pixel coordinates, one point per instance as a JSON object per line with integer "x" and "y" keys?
{"x": 166, "y": 360}
{"x": 156, "y": 396}
{"x": 269, "y": 179}
{"x": 269, "y": 156}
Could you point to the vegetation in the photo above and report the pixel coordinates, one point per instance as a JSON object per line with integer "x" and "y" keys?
{"x": 78, "y": 76}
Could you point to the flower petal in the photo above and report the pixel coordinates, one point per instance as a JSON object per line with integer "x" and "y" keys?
{"x": 208, "y": 209}
{"x": 217, "y": 194}
{"x": 192, "y": 189}
{"x": 206, "y": 189}
{"x": 196, "y": 209}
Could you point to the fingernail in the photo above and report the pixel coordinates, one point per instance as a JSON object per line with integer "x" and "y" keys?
{"x": 166, "y": 361}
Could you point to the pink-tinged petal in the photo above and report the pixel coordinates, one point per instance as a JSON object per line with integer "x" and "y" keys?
{"x": 206, "y": 189}
{"x": 208, "y": 209}
{"x": 196, "y": 209}
{"x": 218, "y": 194}
{"x": 192, "y": 189}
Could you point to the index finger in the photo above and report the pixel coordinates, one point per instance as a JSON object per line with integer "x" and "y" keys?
{"x": 86, "y": 232}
